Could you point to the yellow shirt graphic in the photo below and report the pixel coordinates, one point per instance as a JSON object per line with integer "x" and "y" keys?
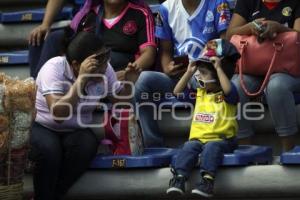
{"x": 213, "y": 119}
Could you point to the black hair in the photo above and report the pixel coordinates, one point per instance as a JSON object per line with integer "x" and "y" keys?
{"x": 83, "y": 45}
{"x": 228, "y": 66}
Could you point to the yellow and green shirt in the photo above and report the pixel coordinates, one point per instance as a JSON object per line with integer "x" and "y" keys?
{"x": 214, "y": 116}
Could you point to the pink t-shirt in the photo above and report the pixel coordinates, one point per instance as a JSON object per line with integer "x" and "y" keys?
{"x": 56, "y": 77}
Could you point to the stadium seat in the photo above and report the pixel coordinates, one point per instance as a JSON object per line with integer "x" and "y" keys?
{"x": 33, "y": 15}
{"x": 24, "y": 2}
{"x": 291, "y": 157}
{"x": 14, "y": 57}
{"x": 246, "y": 155}
{"x": 15, "y": 64}
{"x": 153, "y": 157}
{"x": 16, "y": 34}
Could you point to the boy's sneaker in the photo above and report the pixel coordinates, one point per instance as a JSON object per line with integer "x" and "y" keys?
{"x": 176, "y": 184}
{"x": 204, "y": 188}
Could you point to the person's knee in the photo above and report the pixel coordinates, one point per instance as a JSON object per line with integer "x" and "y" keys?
{"x": 144, "y": 78}
{"x": 191, "y": 146}
{"x": 48, "y": 153}
{"x": 213, "y": 147}
{"x": 87, "y": 146}
{"x": 142, "y": 85}
{"x": 276, "y": 87}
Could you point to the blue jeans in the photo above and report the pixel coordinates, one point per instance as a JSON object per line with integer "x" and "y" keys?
{"x": 52, "y": 46}
{"x": 211, "y": 156}
{"x": 151, "y": 83}
{"x": 279, "y": 94}
{"x": 61, "y": 158}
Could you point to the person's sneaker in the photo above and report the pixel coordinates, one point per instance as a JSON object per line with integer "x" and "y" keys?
{"x": 176, "y": 184}
{"x": 204, "y": 188}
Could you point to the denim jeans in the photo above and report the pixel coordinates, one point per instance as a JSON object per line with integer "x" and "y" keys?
{"x": 151, "y": 83}
{"x": 51, "y": 47}
{"x": 61, "y": 158}
{"x": 279, "y": 94}
{"x": 211, "y": 156}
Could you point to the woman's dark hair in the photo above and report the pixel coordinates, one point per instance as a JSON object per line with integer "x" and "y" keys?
{"x": 83, "y": 45}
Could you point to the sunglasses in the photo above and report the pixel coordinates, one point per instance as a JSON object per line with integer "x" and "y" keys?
{"x": 202, "y": 83}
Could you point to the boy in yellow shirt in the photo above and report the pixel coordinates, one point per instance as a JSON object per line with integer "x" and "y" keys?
{"x": 214, "y": 125}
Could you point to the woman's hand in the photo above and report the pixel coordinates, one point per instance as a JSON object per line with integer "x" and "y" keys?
{"x": 89, "y": 65}
{"x": 255, "y": 26}
{"x": 38, "y": 34}
{"x": 271, "y": 29}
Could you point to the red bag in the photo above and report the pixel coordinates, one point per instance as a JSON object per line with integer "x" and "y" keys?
{"x": 271, "y": 56}
{"x": 123, "y": 134}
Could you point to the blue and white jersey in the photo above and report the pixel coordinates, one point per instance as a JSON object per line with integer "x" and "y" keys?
{"x": 189, "y": 33}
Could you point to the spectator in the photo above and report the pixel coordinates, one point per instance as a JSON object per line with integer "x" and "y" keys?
{"x": 278, "y": 16}
{"x": 214, "y": 123}
{"x": 183, "y": 27}
{"x": 126, "y": 27}
{"x": 62, "y": 144}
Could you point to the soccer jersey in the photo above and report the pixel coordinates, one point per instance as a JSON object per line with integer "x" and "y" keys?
{"x": 130, "y": 32}
{"x": 188, "y": 33}
{"x": 214, "y": 116}
{"x": 285, "y": 12}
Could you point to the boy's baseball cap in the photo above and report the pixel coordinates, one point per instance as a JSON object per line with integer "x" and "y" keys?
{"x": 220, "y": 48}
{"x": 223, "y": 49}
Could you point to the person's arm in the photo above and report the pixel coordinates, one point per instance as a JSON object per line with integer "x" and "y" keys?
{"x": 166, "y": 55}
{"x": 182, "y": 83}
{"x": 239, "y": 26}
{"x": 146, "y": 59}
{"x": 39, "y": 33}
{"x": 146, "y": 41}
{"x": 224, "y": 81}
{"x": 297, "y": 25}
{"x": 168, "y": 65}
{"x": 59, "y": 104}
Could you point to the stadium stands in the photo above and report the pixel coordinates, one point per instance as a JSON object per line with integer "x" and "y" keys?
{"x": 151, "y": 179}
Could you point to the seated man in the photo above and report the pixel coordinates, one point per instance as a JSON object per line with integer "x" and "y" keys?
{"x": 183, "y": 27}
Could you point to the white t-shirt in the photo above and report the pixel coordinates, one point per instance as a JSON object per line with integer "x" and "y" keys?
{"x": 56, "y": 77}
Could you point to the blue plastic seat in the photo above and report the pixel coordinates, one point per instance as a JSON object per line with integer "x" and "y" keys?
{"x": 33, "y": 15}
{"x": 153, "y": 157}
{"x": 245, "y": 155}
{"x": 14, "y": 57}
{"x": 248, "y": 154}
{"x": 291, "y": 157}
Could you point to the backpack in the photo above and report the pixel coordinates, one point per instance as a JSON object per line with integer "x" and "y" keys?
{"x": 122, "y": 133}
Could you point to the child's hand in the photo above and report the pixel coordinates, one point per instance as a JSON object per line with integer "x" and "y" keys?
{"x": 216, "y": 61}
{"x": 192, "y": 67}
